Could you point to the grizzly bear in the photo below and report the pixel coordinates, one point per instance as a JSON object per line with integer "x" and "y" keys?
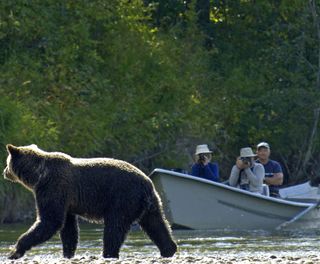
{"x": 105, "y": 189}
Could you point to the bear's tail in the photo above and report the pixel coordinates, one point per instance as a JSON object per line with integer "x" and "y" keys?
{"x": 153, "y": 222}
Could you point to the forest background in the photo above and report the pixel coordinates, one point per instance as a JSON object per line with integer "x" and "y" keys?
{"x": 146, "y": 81}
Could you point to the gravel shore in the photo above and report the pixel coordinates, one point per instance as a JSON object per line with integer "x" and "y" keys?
{"x": 193, "y": 247}
{"x": 272, "y": 259}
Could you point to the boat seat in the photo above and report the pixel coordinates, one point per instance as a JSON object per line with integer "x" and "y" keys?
{"x": 265, "y": 190}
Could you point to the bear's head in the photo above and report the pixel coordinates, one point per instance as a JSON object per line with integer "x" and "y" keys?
{"x": 23, "y": 165}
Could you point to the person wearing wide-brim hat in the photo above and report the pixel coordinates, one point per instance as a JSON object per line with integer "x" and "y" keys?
{"x": 203, "y": 167}
{"x": 246, "y": 173}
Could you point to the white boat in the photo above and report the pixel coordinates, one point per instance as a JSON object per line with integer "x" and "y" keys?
{"x": 195, "y": 203}
{"x": 301, "y": 193}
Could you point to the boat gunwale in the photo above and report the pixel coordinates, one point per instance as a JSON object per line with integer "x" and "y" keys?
{"x": 228, "y": 187}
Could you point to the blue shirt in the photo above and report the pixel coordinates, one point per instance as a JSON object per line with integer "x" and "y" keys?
{"x": 270, "y": 168}
{"x": 208, "y": 172}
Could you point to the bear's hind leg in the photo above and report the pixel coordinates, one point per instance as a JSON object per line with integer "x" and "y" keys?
{"x": 159, "y": 232}
{"x": 69, "y": 236}
{"x": 115, "y": 232}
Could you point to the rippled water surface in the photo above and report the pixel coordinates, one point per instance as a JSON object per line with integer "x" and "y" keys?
{"x": 194, "y": 246}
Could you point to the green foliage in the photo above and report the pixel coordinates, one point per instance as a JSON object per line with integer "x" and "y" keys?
{"x": 137, "y": 80}
{"x": 268, "y": 72}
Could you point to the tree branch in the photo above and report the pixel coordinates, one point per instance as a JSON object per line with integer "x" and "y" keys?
{"x": 308, "y": 154}
{"x": 316, "y": 21}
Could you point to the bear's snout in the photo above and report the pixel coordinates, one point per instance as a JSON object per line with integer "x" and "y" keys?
{"x": 9, "y": 176}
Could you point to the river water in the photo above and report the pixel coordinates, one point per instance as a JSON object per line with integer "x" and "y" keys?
{"x": 194, "y": 247}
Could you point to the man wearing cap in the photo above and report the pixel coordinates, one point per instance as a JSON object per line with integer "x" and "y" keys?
{"x": 246, "y": 173}
{"x": 273, "y": 171}
{"x": 203, "y": 168}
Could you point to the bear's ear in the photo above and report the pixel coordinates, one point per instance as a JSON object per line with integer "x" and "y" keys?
{"x": 12, "y": 149}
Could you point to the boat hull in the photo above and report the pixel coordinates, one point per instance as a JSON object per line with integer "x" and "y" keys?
{"x": 195, "y": 203}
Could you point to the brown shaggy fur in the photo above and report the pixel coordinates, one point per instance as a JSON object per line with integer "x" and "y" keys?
{"x": 97, "y": 189}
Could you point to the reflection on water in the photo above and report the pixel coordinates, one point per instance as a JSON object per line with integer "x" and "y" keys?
{"x": 191, "y": 243}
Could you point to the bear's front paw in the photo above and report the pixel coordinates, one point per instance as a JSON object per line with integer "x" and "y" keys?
{"x": 169, "y": 251}
{"x": 15, "y": 254}
{"x": 68, "y": 255}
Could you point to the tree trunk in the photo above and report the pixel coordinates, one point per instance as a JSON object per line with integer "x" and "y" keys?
{"x": 203, "y": 13}
{"x": 309, "y": 152}
{"x": 316, "y": 22}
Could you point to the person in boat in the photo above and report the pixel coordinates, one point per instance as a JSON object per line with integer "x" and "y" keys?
{"x": 203, "y": 167}
{"x": 246, "y": 173}
{"x": 273, "y": 171}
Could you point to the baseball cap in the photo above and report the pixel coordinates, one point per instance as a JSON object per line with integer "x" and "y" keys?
{"x": 263, "y": 144}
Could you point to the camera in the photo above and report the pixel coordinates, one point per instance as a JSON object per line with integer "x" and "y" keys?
{"x": 246, "y": 160}
{"x": 202, "y": 158}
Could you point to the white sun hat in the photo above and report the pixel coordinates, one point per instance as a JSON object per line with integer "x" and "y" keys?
{"x": 246, "y": 152}
{"x": 202, "y": 149}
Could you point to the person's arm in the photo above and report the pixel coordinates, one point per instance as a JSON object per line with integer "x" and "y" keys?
{"x": 234, "y": 176}
{"x": 277, "y": 178}
{"x": 256, "y": 178}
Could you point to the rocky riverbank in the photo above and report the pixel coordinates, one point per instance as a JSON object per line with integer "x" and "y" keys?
{"x": 180, "y": 259}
